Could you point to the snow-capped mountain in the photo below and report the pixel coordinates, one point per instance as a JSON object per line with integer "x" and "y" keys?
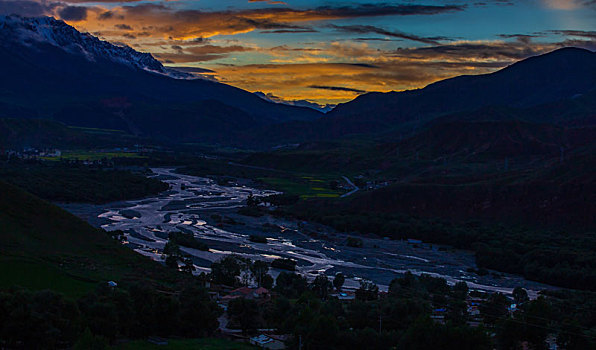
{"x": 299, "y": 103}
{"x": 49, "y": 70}
{"x": 47, "y": 30}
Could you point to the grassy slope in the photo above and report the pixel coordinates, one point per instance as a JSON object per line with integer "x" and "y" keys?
{"x": 18, "y": 133}
{"x": 45, "y": 247}
{"x": 559, "y": 194}
{"x": 62, "y": 183}
{"x": 498, "y": 170}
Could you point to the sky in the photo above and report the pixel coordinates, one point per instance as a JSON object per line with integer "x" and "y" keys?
{"x": 329, "y": 51}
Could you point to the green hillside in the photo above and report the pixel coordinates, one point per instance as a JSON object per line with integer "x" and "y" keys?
{"x": 44, "y": 247}
{"x": 62, "y": 182}
{"x": 17, "y": 133}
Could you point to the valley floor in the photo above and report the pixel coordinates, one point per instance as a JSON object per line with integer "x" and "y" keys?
{"x": 210, "y": 212}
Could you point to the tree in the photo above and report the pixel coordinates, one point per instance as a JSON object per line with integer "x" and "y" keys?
{"x": 267, "y": 281}
{"x": 457, "y": 311}
{"x": 244, "y": 313}
{"x": 225, "y": 271}
{"x": 259, "y": 270}
{"x": 321, "y": 286}
{"x": 367, "y": 291}
{"x": 42, "y": 320}
{"x": 494, "y": 308}
{"x": 460, "y": 290}
{"x": 425, "y": 334}
{"x": 290, "y": 285}
{"x": 354, "y": 242}
{"x": 88, "y": 341}
{"x": 284, "y": 264}
{"x": 172, "y": 261}
{"x": 171, "y": 248}
{"x": 172, "y": 252}
{"x": 198, "y": 313}
{"x": 520, "y": 295}
{"x": 252, "y": 201}
{"x": 535, "y": 316}
{"x": 509, "y": 334}
{"x": 571, "y": 338}
{"x": 188, "y": 266}
{"x": 339, "y": 280}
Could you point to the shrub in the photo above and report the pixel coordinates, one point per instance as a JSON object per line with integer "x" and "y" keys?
{"x": 284, "y": 264}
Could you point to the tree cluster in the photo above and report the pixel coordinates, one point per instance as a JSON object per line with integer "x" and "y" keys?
{"x": 47, "y": 320}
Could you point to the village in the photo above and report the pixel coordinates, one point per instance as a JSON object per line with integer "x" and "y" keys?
{"x": 251, "y": 297}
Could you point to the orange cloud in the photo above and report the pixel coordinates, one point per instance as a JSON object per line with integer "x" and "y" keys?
{"x": 167, "y": 22}
{"x": 373, "y": 70}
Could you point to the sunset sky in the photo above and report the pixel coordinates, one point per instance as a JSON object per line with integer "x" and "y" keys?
{"x": 330, "y": 51}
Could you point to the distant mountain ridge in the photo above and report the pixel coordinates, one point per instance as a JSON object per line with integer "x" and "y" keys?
{"x": 554, "y": 76}
{"x": 302, "y": 103}
{"x": 50, "y": 70}
{"x": 558, "y": 87}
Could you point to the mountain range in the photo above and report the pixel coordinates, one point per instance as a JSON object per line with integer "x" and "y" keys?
{"x": 52, "y": 71}
{"x": 558, "y": 87}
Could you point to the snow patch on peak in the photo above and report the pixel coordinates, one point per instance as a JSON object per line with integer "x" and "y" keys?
{"x": 298, "y": 103}
{"x": 29, "y": 31}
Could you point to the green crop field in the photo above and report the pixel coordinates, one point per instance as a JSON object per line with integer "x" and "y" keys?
{"x": 305, "y": 187}
{"x": 91, "y": 155}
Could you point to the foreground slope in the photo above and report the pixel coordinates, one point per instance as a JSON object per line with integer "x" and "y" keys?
{"x": 45, "y": 247}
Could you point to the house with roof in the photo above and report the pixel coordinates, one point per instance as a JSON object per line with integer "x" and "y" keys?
{"x": 269, "y": 341}
{"x": 259, "y": 293}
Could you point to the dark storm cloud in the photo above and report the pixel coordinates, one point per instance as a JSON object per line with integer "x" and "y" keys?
{"x": 123, "y": 26}
{"x": 375, "y": 39}
{"x": 362, "y": 65}
{"x": 337, "y": 88}
{"x": 28, "y": 8}
{"x": 195, "y": 70}
{"x": 25, "y": 8}
{"x": 523, "y": 38}
{"x": 489, "y": 50}
{"x": 575, "y": 33}
{"x": 366, "y": 29}
{"x": 200, "y": 53}
{"x": 105, "y": 15}
{"x": 518, "y": 36}
{"x": 73, "y": 13}
{"x": 383, "y": 9}
{"x": 268, "y": 24}
{"x": 284, "y": 31}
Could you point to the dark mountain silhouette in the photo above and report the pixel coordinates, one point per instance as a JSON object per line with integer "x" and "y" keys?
{"x": 558, "y": 88}
{"x": 551, "y": 77}
{"x": 50, "y": 70}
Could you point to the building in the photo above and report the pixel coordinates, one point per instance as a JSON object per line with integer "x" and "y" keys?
{"x": 272, "y": 342}
{"x": 248, "y": 293}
